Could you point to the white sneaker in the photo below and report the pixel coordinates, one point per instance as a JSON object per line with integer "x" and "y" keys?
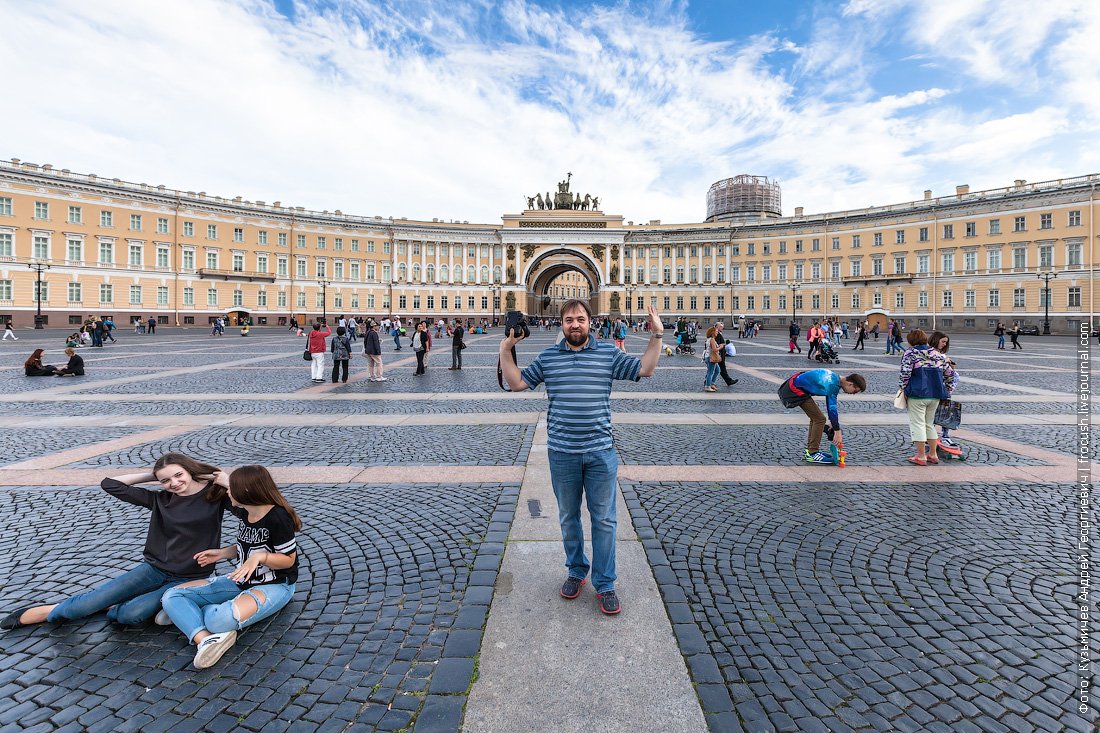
{"x": 163, "y": 619}
{"x": 381, "y": 379}
{"x": 213, "y": 647}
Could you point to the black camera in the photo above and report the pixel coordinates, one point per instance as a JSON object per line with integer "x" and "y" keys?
{"x": 516, "y": 325}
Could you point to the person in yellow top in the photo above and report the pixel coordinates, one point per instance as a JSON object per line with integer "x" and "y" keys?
{"x": 244, "y": 328}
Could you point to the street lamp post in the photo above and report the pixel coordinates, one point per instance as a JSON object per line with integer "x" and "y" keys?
{"x": 630, "y": 303}
{"x": 1046, "y": 277}
{"x": 38, "y": 267}
{"x": 496, "y": 299}
{"x": 794, "y": 299}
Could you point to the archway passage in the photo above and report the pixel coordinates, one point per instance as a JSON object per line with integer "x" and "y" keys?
{"x": 545, "y": 294}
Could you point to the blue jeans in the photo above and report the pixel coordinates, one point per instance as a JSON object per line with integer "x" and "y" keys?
{"x": 132, "y": 598}
{"x": 595, "y": 474}
{"x": 397, "y": 339}
{"x": 712, "y": 373}
{"x": 210, "y": 606}
{"x": 1001, "y": 341}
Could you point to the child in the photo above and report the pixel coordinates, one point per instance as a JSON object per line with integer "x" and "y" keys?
{"x": 211, "y": 612}
{"x": 800, "y": 390}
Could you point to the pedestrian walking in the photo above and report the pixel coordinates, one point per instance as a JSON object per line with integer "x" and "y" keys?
{"x": 341, "y": 354}
{"x": 109, "y": 327}
{"x": 211, "y": 612}
{"x": 583, "y": 462}
{"x": 185, "y": 519}
{"x": 1014, "y": 335}
{"x": 316, "y": 348}
{"x": 861, "y": 333}
{"x": 926, "y": 377}
{"x": 999, "y": 332}
{"x": 793, "y": 330}
{"x": 152, "y": 325}
{"x": 712, "y": 360}
{"x": 397, "y": 334}
{"x": 457, "y": 345}
{"x": 874, "y": 331}
{"x": 9, "y": 332}
{"x": 723, "y": 348}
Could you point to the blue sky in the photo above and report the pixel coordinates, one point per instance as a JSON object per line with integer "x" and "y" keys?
{"x": 457, "y": 110}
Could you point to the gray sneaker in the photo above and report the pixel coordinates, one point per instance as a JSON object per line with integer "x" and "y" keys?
{"x": 163, "y": 619}
{"x": 571, "y": 588}
{"x": 213, "y": 647}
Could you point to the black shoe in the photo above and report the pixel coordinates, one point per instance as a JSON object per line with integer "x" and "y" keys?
{"x": 732, "y": 382}
{"x": 609, "y": 603}
{"x": 571, "y": 588}
{"x": 11, "y": 621}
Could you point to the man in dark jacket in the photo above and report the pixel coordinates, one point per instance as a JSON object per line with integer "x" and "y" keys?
{"x": 372, "y": 348}
{"x": 456, "y": 347}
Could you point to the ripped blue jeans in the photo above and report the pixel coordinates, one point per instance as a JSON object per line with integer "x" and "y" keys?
{"x": 210, "y": 605}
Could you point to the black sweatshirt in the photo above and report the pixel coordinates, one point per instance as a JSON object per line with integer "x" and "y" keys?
{"x": 179, "y": 526}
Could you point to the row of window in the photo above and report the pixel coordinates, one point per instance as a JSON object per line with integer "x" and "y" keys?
{"x": 75, "y": 293}
{"x": 106, "y": 219}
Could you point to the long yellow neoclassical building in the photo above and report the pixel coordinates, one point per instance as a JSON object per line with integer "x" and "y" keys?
{"x": 74, "y": 245}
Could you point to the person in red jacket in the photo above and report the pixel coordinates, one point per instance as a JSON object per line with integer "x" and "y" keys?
{"x": 317, "y": 350}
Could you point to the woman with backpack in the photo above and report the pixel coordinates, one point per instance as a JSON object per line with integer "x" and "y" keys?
{"x": 341, "y": 354}
{"x": 926, "y": 377}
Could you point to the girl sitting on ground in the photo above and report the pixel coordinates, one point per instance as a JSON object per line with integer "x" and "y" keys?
{"x": 211, "y": 612}
{"x": 33, "y": 367}
{"x": 185, "y": 518}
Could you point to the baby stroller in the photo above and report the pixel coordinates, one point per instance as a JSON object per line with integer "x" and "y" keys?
{"x": 826, "y": 354}
{"x": 684, "y": 340}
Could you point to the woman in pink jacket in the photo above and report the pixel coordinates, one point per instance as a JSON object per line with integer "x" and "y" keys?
{"x": 317, "y": 348}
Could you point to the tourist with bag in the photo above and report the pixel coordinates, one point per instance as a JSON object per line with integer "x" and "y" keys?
{"x": 925, "y": 378}
{"x": 341, "y": 354}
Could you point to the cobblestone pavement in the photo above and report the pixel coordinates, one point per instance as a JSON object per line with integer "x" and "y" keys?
{"x": 17, "y": 444}
{"x": 723, "y": 444}
{"x": 799, "y": 607}
{"x": 1062, "y": 438}
{"x": 838, "y": 608}
{"x": 482, "y": 445}
{"x": 385, "y": 625}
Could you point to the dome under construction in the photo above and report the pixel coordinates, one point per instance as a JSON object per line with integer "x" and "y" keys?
{"x": 743, "y": 197}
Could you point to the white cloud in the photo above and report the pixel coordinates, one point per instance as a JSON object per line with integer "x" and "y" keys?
{"x": 420, "y": 110}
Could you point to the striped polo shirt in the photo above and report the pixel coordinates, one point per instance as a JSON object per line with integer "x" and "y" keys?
{"x": 578, "y": 384}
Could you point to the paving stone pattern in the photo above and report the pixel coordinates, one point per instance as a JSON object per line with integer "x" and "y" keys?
{"x": 273, "y": 406}
{"x": 18, "y": 444}
{"x": 385, "y": 626}
{"x": 841, "y": 608}
{"x": 723, "y": 444}
{"x": 428, "y": 445}
{"x": 1062, "y": 438}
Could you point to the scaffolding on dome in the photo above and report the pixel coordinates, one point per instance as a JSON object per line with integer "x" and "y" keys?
{"x": 743, "y": 195}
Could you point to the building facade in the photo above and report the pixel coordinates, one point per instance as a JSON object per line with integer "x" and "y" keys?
{"x": 960, "y": 262}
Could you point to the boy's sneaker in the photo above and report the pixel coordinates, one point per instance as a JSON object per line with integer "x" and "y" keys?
{"x": 213, "y": 647}
{"x": 819, "y": 457}
{"x": 609, "y": 602}
{"x": 571, "y": 588}
{"x": 163, "y": 619}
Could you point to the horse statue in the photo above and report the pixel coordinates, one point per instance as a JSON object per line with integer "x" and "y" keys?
{"x": 577, "y": 202}
{"x": 538, "y": 200}
{"x": 587, "y": 202}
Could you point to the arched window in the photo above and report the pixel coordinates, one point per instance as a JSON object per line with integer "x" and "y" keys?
{"x": 443, "y": 273}
{"x": 401, "y": 271}
{"x": 484, "y": 273}
{"x": 497, "y": 274}
{"x": 471, "y": 274}
{"x": 429, "y": 273}
{"x": 416, "y": 272}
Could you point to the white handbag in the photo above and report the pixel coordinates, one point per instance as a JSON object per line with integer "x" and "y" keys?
{"x": 900, "y": 400}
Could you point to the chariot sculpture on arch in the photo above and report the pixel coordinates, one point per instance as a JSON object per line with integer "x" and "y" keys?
{"x": 563, "y": 199}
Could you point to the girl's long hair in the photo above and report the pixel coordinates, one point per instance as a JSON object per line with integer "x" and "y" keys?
{"x": 935, "y": 339}
{"x": 253, "y": 486}
{"x": 196, "y": 469}
{"x": 35, "y": 359}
